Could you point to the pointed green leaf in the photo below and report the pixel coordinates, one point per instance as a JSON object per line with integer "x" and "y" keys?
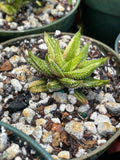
{"x": 71, "y": 64}
{"x": 17, "y": 4}
{"x": 84, "y": 52}
{"x": 87, "y": 63}
{"x": 10, "y": 10}
{"x": 41, "y": 64}
{"x": 91, "y": 82}
{"x": 55, "y": 69}
{"x": 86, "y": 71}
{"x": 73, "y": 47}
{"x": 38, "y": 86}
{"x": 58, "y": 55}
{"x": 80, "y": 96}
{"x": 28, "y": 60}
{"x": 70, "y": 83}
{"x": 54, "y": 86}
{"x": 50, "y": 44}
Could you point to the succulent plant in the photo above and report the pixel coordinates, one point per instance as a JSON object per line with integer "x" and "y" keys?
{"x": 65, "y": 69}
{"x": 12, "y": 7}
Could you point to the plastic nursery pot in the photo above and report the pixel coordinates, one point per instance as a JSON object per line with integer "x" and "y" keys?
{"x": 33, "y": 144}
{"x": 101, "y": 20}
{"x": 104, "y": 49}
{"x": 116, "y": 44}
{"x": 62, "y": 24}
{"x": 106, "y": 6}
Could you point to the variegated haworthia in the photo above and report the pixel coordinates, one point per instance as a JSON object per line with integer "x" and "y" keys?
{"x": 65, "y": 69}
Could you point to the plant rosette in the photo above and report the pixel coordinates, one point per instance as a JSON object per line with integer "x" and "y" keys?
{"x": 66, "y": 123}
{"x": 23, "y": 17}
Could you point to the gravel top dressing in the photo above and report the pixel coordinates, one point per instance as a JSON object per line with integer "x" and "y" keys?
{"x": 32, "y": 17}
{"x": 63, "y": 126}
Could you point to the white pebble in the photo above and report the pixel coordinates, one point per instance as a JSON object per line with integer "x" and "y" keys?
{"x": 62, "y": 107}
{"x": 102, "y": 118}
{"x": 72, "y": 99}
{"x": 69, "y": 108}
{"x": 43, "y": 95}
{"x": 56, "y": 120}
{"x": 90, "y": 126}
{"x": 64, "y": 154}
{"x": 28, "y": 113}
{"x": 43, "y": 46}
{"x": 16, "y": 85}
{"x": 101, "y": 141}
{"x": 80, "y": 153}
{"x": 11, "y": 152}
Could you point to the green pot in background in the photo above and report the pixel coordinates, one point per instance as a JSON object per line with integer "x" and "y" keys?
{"x": 101, "y": 19}
{"x": 62, "y": 24}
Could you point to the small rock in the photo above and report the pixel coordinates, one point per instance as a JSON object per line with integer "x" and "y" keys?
{"x": 60, "y": 97}
{"x": 43, "y": 46}
{"x": 11, "y": 152}
{"x": 108, "y": 98}
{"x": 69, "y": 108}
{"x": 64, "y": 154}
{"x": 3, "y": 139}
{"x": 50, "y": 108}
{"x": 18, "y": 158}
{"x": 90, "y": 126}
{"x": 62, "y": 107}
{"x": 102, "y": 118}
{"x": 83, "y": 108}
{"x": 28, "y": 129}
{"x": 47, "y": 137}
{"x": 37, "y": 133}
{"x": 100, "y": 96}
{"x": 91, "y": 95}
{"x": 43, "y": 95}
{"x": 75, "y": 128}
{"x": 16, "y": 85}
{"x": 1, "y": 85}
{"x": 94, "y": 115}
{"x": 57, "y": 33}
{"x": 49, "y": 149}
{"x": 7, "y": 66}
{"x": 13, "y": 25}
{"x": 28, "y": 113}
{"x": 56, "y": 139}
{"x": 105, "y": 128}
{"x": 101, "y": 141}
{"x": 80, "y": 152}
{"x": 60, "y": 8}
{"x": 40, "y": 122}
{"x": 101, "y": 108}
{"x": 113, "y": 108}
{"x": 1, "y": 22}
{"x": 72, "y": 99}
{"x": 16, "y": 116}
{"x": 14, "y": 60}
{"x": 55, "y": 120}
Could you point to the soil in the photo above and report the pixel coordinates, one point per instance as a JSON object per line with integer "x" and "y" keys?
{"x": 28, "y": 111}
{"x": 32, "y": 16}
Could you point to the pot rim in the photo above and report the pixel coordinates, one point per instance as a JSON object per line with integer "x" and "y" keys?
{"x": 116, "y": 43}
{"x": 117, "y": 134}
{"x": 44, "y": 26}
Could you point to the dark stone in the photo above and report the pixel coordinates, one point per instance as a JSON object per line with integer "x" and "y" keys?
{"x": 20, "y": 102}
